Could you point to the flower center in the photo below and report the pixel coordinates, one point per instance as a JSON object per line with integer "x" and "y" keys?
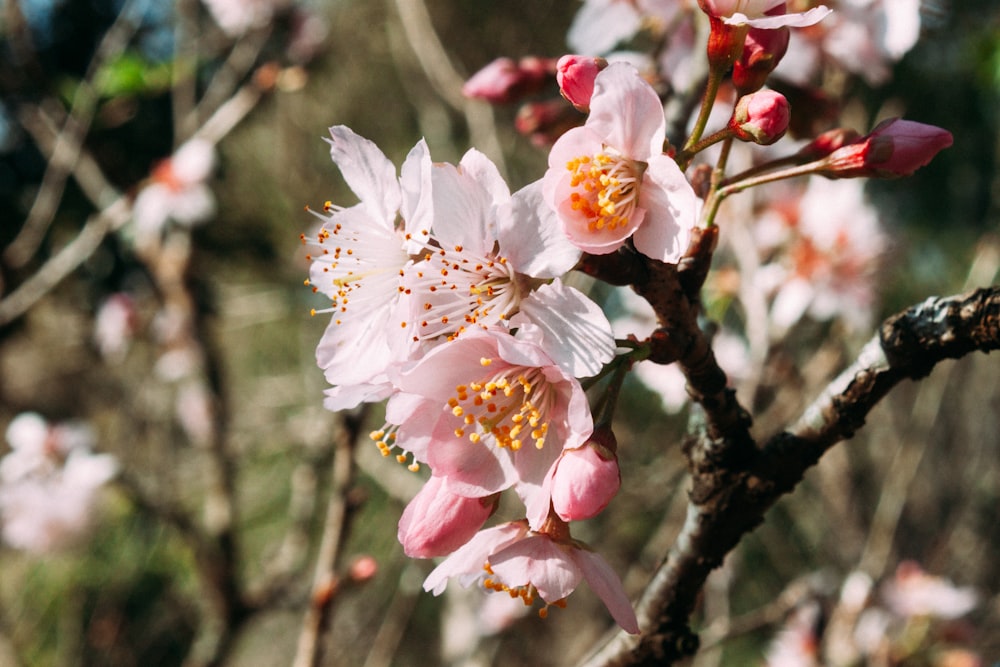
{"x": 509, "y": 407}
{"x": 605, "y": 188}
{"x": 456, "y": 289}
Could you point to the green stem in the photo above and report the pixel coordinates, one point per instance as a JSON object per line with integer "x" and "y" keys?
{"x": 711, "y": 91}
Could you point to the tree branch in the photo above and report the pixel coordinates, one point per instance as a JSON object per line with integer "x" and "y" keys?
{"x": 730, "y": 495}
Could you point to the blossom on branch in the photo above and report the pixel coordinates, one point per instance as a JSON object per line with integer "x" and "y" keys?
{"x": 359, "y": 255}
{"x": 610, "y": 180}
{"x": 489, "y": 412}
{"x": 767, "y": 14}
{"x": 530, "y": 565}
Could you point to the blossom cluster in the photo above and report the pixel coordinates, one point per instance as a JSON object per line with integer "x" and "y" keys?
{"x": 448, "y": 296}
{"x": 49, "y": 483}
{"x": 913, "y": 617}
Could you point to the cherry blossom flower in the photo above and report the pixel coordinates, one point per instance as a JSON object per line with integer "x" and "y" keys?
{"x": 601, "y": 25}
{"x": 512, "y": 559}
{"x": 484, "y": 265}
{"x": 488, "y": 412}
{"x": 862, "y": 36}
{"x": 914, "y": 592}
{"x": 360, "y": 253}
{"x": 827, "y": 268}
{"x": 761, "y": 13}
{"x": 49, "y": 483}
{"x": 236, "y": 17}
{"x": 610, "y": 181}
{"x": 797, "y": 644}
{"x": 115, "y": 325}
{"x": 177, "y": 190}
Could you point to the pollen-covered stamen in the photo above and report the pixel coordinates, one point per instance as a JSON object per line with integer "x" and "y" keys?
{"x": 456, "y": 289}
{"x": 355, "y": 263}
{"x": 385, "y": 439}
{"x": 605, "y": 188}
{"x": 527, "y": 593}
{"x": 507, "y": 407}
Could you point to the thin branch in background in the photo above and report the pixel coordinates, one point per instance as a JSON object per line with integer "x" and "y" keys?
{"x": 65, "y": 152}
{"x": 437, "y": 66}
{"x": 309, "y": 652}
{"x": 183, "y": 93}
{"x": 234, "y": 70}
{"x": 397, "y": 617}
{"x": 63, "y": 263}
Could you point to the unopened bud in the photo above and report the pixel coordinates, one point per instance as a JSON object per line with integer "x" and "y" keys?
{"x": 576, "y": 75}
{"x": 896, "y": 147}
{"x": 761, "y": 117}
{"x": 762, "y": 52}
{"x": 505, "y": 80}
{"x": 546, "y": 121}
{"x": 586, "y": 478}
{"x": 362, "y": 569}
{"x": 436, "y": 521}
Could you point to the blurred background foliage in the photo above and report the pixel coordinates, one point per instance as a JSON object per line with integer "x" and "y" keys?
{"x": 919, "y": 482}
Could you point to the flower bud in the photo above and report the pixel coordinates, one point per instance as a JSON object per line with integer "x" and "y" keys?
{"x": 546, "y": 121}
{"x": 827, "y": 142}
{"x": 436, "y": 522}
{"x": 762, "y": 52}
{"x": 895, "y": 147}
{"x": 761, "y": 117}
{"x": 586, "y": 478}
{"x": 576, "y": 75}
{"x": 505, "y": 80}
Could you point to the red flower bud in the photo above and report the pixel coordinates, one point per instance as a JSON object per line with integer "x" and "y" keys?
{"x": 762, "y": 52}
{"x": 505, "y": 80}
{"x": 576, "y": 75}
{"x": 761, "y": 117}
{"x": 895, "y": 147}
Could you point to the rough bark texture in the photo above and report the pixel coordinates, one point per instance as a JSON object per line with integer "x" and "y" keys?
{"x": 735, "y": 480}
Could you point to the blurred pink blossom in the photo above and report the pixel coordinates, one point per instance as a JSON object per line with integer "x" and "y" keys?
{"x": 49, "y": 483}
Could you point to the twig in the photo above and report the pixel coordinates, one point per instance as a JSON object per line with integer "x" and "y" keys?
{"x": 63, "y": 155}
{"x": 434, "y": 60}
{"x": 397, "y": 617}
{"x": 64, "y": 262}
{"x": 309, "y": 652}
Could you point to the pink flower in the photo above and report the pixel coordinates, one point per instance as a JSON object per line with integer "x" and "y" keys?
{"x": 896, "y": 147}
{"x": 489, "y": 412}
{"x": 505, "y": 80}
{"x": 761, "y": 13}
{"x": 585, "y": 479}
{"x": 913, "y": 592}
{"x": 359, "y": 254}
{"x": 177, "y": 191}
{"x": 481, "y": 265}
{"x": 609, "y": 180}
{"x": 49, "y": 483}
{"x": 761, "y": 117}
{"x": 576, "y": 75}
{"x": 529, "y": 565}
{"x": 436, "y": 521}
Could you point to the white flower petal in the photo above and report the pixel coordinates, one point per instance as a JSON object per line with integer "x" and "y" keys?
{"x": 574, "y": 330}
{"x": 368, "y": 172}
